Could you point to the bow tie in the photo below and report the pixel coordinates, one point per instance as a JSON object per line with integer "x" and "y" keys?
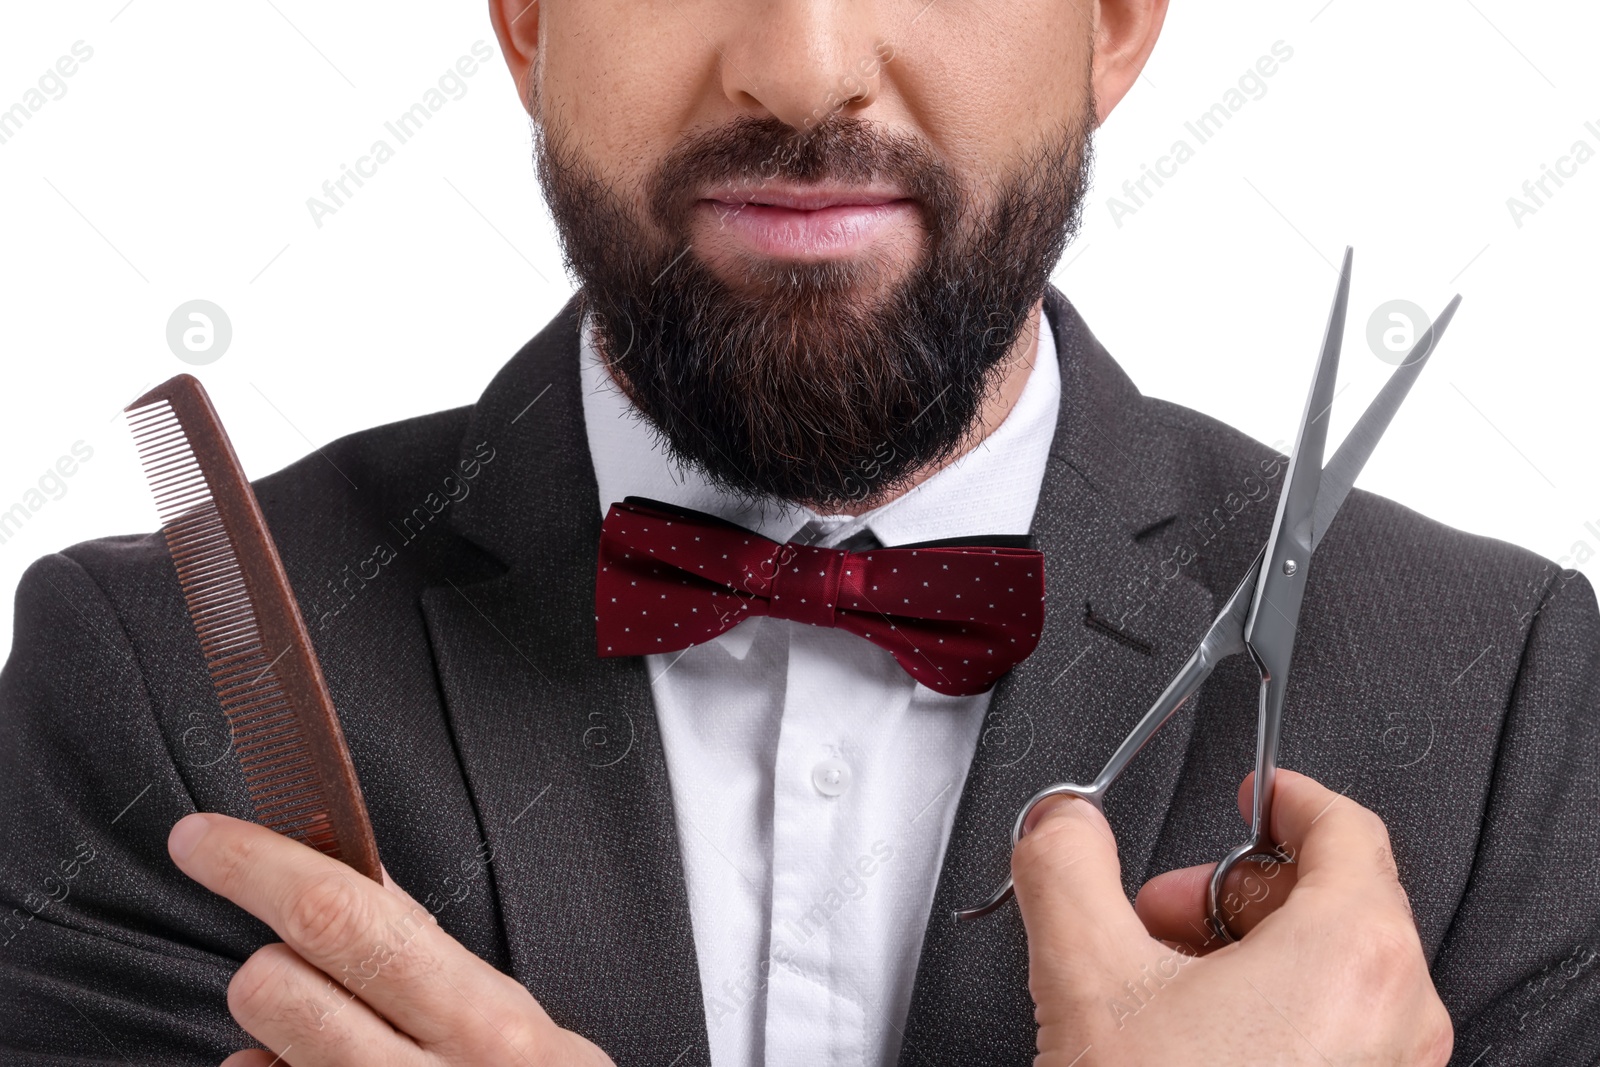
{"x": 956, "y": 615}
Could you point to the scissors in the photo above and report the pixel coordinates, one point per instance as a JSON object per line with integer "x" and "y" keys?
{"x": 1260, "y": 616}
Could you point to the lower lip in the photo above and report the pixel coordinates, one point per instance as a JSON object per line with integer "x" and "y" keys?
{"x": 840, "y": 230}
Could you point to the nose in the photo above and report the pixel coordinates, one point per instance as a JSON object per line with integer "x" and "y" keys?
{"x": 803, "y": 61}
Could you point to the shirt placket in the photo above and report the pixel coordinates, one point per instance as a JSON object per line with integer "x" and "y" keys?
{"x": 814, "y": 810}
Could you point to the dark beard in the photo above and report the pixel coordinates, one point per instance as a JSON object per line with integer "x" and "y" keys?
{"x": 790, "y": 385}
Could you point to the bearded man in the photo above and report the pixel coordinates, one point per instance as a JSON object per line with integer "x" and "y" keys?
{"x": 635, "y": 810}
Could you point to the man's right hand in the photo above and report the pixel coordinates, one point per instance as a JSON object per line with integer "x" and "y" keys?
{"x": 1330, "y": 970}
{"x": 364, "y": 976}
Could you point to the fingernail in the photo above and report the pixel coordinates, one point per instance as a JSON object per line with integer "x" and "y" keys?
{"x": 186, "y": 834}
{"x": 1043, "y": 808}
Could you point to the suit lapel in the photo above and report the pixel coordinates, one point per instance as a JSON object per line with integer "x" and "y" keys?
{"x": 1061, "y": 714}
{"x": 559, "y": 747}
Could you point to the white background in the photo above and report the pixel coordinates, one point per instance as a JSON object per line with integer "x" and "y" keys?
{"x": 178, "y": 164}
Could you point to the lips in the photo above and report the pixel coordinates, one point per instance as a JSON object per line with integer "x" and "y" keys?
{"x": 807, "y": 222}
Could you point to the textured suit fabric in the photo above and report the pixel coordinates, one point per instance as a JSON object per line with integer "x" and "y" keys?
{"x": 518, "y": 789}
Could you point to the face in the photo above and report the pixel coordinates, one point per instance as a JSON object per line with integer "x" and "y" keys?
{"x": 810, "y": 234}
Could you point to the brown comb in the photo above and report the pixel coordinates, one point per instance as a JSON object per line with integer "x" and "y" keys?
{"x": 285, "y": 733}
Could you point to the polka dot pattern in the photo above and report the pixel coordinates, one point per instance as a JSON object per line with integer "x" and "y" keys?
{"x": 956, "y": 618}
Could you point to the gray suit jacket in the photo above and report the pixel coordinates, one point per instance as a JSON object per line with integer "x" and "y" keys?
{"x": 518, "y": 788}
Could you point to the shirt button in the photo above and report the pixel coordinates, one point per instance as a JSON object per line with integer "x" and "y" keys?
{"x": 831, "y": 777}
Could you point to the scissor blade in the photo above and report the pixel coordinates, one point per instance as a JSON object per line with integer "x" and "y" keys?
{"x": 1345, "y": 467}
{"x": 1299, "y": 498}
{"x": 1288, "y": 551}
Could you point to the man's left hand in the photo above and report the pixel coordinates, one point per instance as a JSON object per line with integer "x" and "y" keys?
{"x": 1330, "y": 969}
{"x": 364, "y": 974}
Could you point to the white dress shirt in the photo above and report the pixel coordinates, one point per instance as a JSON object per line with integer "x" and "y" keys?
{"x": 814, "y": 782}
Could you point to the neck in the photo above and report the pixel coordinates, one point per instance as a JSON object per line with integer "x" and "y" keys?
{"x": 1013, "y": 376}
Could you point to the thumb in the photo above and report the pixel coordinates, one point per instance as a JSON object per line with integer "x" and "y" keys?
{"x": 1069, "y": 888}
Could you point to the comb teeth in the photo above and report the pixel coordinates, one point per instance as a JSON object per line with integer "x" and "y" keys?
{"x": 280, "y": 775}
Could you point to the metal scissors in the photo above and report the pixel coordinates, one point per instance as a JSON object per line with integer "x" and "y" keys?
{"x": 1261, "y": 615}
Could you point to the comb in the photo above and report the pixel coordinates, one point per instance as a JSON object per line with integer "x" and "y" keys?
{"x": 285, "y": 733}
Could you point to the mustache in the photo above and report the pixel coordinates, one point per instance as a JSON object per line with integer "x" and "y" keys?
{"x": 751, "y": 151}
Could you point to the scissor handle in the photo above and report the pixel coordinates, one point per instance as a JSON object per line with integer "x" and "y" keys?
{"x": 1094, "y": 794}
{"x": 1223, "y": 639}
{"x": 1268, "y": 729}
{"x": 1217, "y": 903}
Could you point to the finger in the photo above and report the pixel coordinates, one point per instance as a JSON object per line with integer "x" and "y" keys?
{"x": 390, "y": 954}
{"x": 309, "y": 1020}
{"x": 1069, "y": 886}
{"x": 1175, "y": 906}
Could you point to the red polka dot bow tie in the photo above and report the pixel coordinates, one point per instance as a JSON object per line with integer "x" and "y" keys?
{"x": 955, "y": 614}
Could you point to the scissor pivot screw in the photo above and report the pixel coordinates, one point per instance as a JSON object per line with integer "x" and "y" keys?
{"x": 1290, "y": 566}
